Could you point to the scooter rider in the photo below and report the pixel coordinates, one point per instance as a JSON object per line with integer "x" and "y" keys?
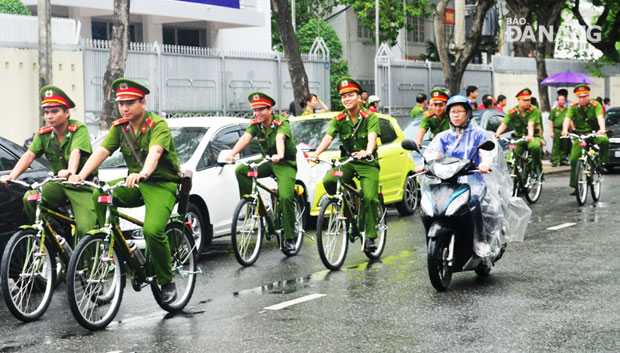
{"x": 460, "y": 141}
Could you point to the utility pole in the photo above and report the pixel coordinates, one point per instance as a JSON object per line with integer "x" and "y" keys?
{"x": 293, "y": 15}
{"x": 44, "y": 13}
{"x": 376, "y": 25}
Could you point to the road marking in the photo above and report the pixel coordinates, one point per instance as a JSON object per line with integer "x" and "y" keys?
{"x": 294, "y": 301}
{"x": 563, "y": 225}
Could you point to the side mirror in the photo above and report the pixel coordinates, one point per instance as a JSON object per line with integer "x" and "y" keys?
{"x": 221, "y": 158}
{"x": 410, "y": 145}
{"x": 487, "y": 145}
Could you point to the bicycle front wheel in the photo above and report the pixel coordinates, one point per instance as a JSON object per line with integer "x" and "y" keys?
{"x": 331, "y": 234}
{"x": 95, "y": 282}
{"x": 581, "y": 176}
{"x": 534, "y": 185}
{"x": 595, "y": 184}
{"x": 184, "y": 268}
{"x": 246, "y": 232}
{"x": 27, "y": 275}
{"x": 381, "y": 231}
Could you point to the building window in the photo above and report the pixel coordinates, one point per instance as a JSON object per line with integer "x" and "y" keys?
{"x": 190, "y": 37}
{"x": 363, "y": 32}
{"x": 103, "y": 30}
{"x": 416, "y": 33}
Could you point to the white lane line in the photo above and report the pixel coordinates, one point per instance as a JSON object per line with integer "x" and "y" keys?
{"x": 560, "y": 226}
{"x": 295, "y": 301}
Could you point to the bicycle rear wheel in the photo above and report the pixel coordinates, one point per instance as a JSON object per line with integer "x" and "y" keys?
{"x": 300, "y": 225}
{"x": 27, "y": 275}
{"x": 581, "y": 182}
{"x": 381, "y": 231}
{"x": 534, "y": 185}
{"x": 184, "y": 268}
{"x": 246, "y": 232}
{"x": 95, "y": 282}
{"x": 595, "y": 184}
{"x": 331, "y": 234}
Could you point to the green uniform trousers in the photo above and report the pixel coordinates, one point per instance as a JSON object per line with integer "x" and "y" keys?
{"x": 159, "y": 198}
{"x": 55, "y": 195}
{"x": 601, "y": 141}
{"x": 535, "y": 149}
{"x": 561, "y": 147}
{"x": 368, "y": 174}
{"x": 285, "y": 172}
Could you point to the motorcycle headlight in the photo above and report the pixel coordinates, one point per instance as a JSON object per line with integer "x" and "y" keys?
{"x": 426, "y": 204}
{"x": 460, "y": 198}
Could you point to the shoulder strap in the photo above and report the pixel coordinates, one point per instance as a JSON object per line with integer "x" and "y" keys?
{"x": 131, "y": 142}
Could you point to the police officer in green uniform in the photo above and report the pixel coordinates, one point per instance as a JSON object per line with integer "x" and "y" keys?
{"x": 527, "y": 121}
{"x": 150, "y": 154}
{"x": 434, "y": 119}
{"x": 586, "y": 115}
{"x": 419, "y": 106}
{"x": 358, "y": 129}
{"x": 66, "y": 145}
{"x": 561, "y": 147}
{"x": 273, "y": 133}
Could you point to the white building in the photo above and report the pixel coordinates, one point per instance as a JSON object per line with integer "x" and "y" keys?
{"x": 222, "y": 24}
{"x": 572, "y": 40}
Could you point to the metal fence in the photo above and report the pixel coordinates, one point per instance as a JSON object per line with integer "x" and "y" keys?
{"x": 23, "y": 31}
{"x": 190, "y": 81}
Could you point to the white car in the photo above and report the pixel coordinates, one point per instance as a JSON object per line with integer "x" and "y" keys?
{"x": 215, "y": 192}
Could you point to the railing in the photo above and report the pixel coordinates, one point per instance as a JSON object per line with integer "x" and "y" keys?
{"x": 24, "y": 30}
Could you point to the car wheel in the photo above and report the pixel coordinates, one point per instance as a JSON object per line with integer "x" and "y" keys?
{"x": 200, "y": 231}
{"x": 410, "y": 199}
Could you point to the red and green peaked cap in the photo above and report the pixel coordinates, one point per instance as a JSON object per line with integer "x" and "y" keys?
{"x": 52, "y": 96}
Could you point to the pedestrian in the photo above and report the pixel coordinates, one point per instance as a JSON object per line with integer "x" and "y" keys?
{"x": 275, "y": 140}
{"x": 310, "y": 103}
{"x": 606, "y": 104}
{"x": 585, "y": 115}
{"x": 501, "y": 103}
{"x": 150, "y": 155}
{"x": 563, "y": 92}
{"x": 472, "y": 93}
{"x": 485, "y": 98}
{"x": 561, "y": 147}
{"x": 66, "y": 145}
{"x": 364, "y": 99}
{"x": 435, "y": 119}
{"x": 358, "y": 130}
{"x": 373, "y": 103}
{"x": 534, "y": 102}
{"x": 418, "y": 109}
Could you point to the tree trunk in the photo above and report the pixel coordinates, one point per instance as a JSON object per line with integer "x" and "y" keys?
{"x": 296, "y": 69}
{"x": 119, "y": 45}
{"x": 44, "y": 12}
{"x": 454, "y": 72}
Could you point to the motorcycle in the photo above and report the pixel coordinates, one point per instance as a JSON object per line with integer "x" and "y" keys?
{"x": 448, "y": 221}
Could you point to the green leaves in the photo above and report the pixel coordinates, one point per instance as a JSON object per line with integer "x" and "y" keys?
{"x": 15, "y": 7}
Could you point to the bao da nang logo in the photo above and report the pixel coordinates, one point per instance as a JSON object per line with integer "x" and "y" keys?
{"x": 518, "y": 30}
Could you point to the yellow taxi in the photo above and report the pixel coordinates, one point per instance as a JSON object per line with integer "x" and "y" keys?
{"x": 397, "y": 164}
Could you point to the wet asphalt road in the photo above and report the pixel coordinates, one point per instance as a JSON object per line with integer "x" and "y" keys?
{"x": 555, "y": 292}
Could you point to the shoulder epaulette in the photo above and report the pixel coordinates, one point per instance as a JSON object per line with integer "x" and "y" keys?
{"x": 341, "y": 116}
{"x": 574, "y": 103}
{"x": 513, "y": 111}
{"x": 150, "y": 123}
{"x": 594, "y": 103}
{"x": 365, "y": 114}
{"x": 119, "y": 121}
{"x": 429, "y": 114}
{"x": 45, "y": 130}
{"x": 531, "y": 108}
{"x": 73, "y": 127}
{"x": 277, "y": 122}
{"x": 254, "y": 122}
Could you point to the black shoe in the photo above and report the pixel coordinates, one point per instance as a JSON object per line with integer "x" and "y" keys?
{"x": 602, "y": 169}
{"x": 370, "y": 245}
{"x": 554, "y": 164}
{"x": 168, "y": 293}
{"x": 574, "y": 193}
{"x": 289, "y": 245}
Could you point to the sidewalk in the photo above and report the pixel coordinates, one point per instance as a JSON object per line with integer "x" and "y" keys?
{"x": 549, "y": 170}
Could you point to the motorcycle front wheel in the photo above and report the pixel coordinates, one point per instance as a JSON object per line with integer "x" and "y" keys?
{"x": 439, "y": 271}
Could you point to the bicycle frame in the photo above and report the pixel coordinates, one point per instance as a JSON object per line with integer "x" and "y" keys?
{"x": 272, "y": 220}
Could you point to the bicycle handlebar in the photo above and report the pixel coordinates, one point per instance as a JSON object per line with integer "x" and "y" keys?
{"x": 36, "y": 185}
{"x": 335, "y": 163}
{"x": 105, "y": 188}
{"x": 581, "y": 137}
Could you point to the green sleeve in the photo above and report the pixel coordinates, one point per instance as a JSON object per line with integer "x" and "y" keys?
{"x": 81, "y": 140}
{"x": 285, "y": 129}
{"x": 424, "y": 124}
{"x": 599, "y": 110}
{"x": 161, "y": 136}
{"x": 373, "y": 124}
{"x": 252, "y": 129}
{"x": 332, "y": 129}
{"x": 535, "y": 116}
{"x": 112, "y": 141}
{"x": 570, "y": 112}
{"x": 507, "y": 119}
{"x": 37, "y": 145}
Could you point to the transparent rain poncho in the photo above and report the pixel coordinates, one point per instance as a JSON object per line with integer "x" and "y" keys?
{"x": 505, "y": 217}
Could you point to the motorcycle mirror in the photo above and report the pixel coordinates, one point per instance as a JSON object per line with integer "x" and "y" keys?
{"x": 487, "y": 145}
{"x": 410, "y": 145}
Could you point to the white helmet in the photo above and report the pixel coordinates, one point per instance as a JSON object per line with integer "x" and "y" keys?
{"x": 373, "y": 99}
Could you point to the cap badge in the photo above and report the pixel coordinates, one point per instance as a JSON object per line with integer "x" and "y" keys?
{"x": 435, "y": 94}
{"x": 344, "y": 83}
{"x": 256, "y": 97}
{"x": 49, "y": 93}
{"x": 123, "y": 86}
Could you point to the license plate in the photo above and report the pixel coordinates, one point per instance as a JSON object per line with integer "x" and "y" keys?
{"x": 617, "y": 154}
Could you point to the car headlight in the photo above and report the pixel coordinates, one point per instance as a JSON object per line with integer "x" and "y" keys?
{"x": 460, "y": 198}
{"x": 426, "y": 204}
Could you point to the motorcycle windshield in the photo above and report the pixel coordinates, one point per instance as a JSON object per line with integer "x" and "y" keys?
{"x": 447, "y": 167}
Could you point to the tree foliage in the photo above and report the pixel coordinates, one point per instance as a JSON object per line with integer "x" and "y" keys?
{"x": 304, "y": 12}
{"x": 15, "y": 7}
{"x": 609, "y": 21}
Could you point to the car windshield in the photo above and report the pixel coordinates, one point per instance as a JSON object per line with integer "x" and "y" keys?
{"x": 411, "y": 129}
{"x": 475, "y": 116}
{"x": 612, "y": 118}
{"x": 308, "y": 133}
{"x": 186, "y": 139}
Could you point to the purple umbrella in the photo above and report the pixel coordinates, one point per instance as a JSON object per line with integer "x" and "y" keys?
{"x": 568, "y": 78}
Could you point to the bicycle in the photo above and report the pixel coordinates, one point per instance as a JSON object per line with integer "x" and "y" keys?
{"x": 251, "y": 214}
{"x": 525, "y": 180}
{"x": 341, "y": 219}
{"x": 29, "y": 271}
{"x": 100, "y": 263}
{"x": 587, "y": 171}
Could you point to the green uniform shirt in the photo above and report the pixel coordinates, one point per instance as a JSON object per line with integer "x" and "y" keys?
{"x": 432, "y": 121}
{"x": 519, "y": 122}
{"x": 417, "y": 110}
{"x": 153, "y": 132}
{"x": 267, "y": 138}
{"x": 585, "y": 118}
{"x": 58, "y": 154}
{"x": 343, "y": 125}
{"x": 557, "y": 115}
